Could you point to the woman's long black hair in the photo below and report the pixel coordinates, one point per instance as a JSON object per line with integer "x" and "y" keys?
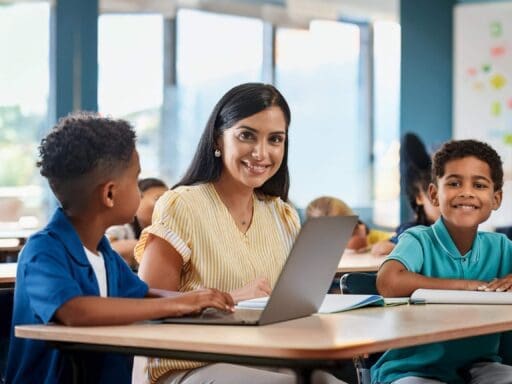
{"x": 238, "y": 103}
{"x": 415, "y": 173}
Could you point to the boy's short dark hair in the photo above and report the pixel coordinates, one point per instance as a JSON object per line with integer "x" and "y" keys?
{"x": 83, "y": 151}
{"x": 458, "y": 149}
{"x": 151, "y": 182}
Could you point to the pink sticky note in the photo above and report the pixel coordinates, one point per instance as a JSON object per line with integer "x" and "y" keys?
{"x": 509, "y": 103}
{"x": 498, "y": 50}
{"x": 471, "y": 71}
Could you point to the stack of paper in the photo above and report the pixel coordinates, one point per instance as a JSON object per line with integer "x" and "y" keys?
{"x": 443, "y": 296}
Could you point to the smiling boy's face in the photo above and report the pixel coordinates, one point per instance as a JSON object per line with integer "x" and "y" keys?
{"x": 465, "y": 194}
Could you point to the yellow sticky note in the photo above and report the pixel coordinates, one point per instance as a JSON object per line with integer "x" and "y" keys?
{"x": 498, "y": 81}
{"x": 496, "y": 108}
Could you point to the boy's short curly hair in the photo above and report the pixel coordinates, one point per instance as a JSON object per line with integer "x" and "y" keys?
{"x": 458, "y": 149}
{"x": 83, "y": 151}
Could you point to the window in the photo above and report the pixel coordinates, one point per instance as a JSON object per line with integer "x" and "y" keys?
{"x": 24, "y": 85}
{"x": 386, "y": 206}
{"x": 130, "y": 78}
{"x": 317, "y": 71}
{"x": 214, "y": 53}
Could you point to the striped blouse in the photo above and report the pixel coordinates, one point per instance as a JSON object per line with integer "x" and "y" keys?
{"x": 216, "y": 254}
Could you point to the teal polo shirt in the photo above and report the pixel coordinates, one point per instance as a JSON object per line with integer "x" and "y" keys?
{"x": 430, "y": 251}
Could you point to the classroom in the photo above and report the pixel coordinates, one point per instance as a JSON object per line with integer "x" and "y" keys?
{"x": 358, "y": 77}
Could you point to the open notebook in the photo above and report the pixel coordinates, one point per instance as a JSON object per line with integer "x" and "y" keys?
{"x": 444, "y": 296}
{"x": 336, "y": 303}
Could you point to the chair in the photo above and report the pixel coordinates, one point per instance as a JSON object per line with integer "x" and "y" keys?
{"x": 6, "y": 303}
{"x": 361, "y": 283}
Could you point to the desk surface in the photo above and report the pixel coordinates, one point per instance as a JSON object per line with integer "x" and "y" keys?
{"x": 359, "y": 262}
{"x": 8, "y": 273}
{"x": 319, "y": 337}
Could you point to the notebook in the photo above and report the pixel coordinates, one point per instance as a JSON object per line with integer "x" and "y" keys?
{"x": 334, "y": 303}
{"x": 444, "y": 296}
{"x": 303, "y": 282}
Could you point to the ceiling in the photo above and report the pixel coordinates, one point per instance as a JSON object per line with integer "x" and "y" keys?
{"x": 278, "y": 12}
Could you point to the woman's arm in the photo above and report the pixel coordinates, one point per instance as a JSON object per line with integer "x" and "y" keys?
{"x": 161, "y": 265}
{"x": 394, "y": 280}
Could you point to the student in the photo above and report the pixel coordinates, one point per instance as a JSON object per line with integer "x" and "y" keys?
{"x": 68, "y": 273}
{"x": 226, "y": 224}
{"x": 452, "y": 254}
{"x": 124, "y": 237}
{"x": 362, "y": 238}
{"x": 415, "y": 171}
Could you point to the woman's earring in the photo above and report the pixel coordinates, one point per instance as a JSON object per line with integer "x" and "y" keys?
{"x": 217, "y": 153}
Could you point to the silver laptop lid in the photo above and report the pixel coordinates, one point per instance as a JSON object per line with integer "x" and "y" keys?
{"x": 309, "y": 269}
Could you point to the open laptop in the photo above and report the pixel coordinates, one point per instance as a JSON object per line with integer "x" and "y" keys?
{"x": 304, "y": 280}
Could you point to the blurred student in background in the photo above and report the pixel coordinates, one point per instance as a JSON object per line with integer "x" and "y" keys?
{"x": 124, "y": 237}
{"x": 415, "y": 173}
{"x": 362, "y": 237}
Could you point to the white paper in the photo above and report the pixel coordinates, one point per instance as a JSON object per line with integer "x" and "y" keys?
{"x": 443, "y": 296}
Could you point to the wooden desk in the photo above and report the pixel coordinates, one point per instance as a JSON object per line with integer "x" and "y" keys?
{"x": 359, "y": 262}
{"x": 8, "y": 273}
{"x": 318, "y": 341}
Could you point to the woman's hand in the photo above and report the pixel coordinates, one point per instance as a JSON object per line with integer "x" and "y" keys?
{"x": 257, "y": 288}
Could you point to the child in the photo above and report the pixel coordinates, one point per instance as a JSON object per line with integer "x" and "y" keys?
{"x": 362, "y": 237}
{"x": 451, "y": 254}
{"x": 124, "y": 237}
{"x": 67, "y": 272}
{"x": 415, "y": 171}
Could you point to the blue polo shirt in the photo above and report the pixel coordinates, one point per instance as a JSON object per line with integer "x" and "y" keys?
{"x": 53, "y": 269}
{"x": 430, "y": 251}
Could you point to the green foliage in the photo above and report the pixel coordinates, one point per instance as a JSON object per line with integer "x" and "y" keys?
{"x": 19, "y": 137}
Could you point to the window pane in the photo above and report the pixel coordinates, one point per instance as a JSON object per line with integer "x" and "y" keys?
{"x": 130, "y": 78}
{"x": 317, "y": 71}
{"x": 386, "y": 136}
{"x": 24, "y": 81}
{"x": 215, "y": 52}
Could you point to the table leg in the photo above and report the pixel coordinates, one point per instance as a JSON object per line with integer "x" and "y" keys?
{"x": 303, "y": 375}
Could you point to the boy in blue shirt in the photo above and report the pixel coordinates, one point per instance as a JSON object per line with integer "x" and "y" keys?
{"x": 451, "y": 254}
{"x": 68, "y": 273}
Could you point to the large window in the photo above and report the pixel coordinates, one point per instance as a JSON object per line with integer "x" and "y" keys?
{"x": 24, "y": 84}
{"x": 214, "y": 53}
{"x": 130, "y": 78}
{"x": 317, "y": 71}
{"x": 320, "y": 70}
{"x": 386, "y": 144}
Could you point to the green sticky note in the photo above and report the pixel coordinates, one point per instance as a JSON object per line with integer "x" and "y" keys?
{"x": 496, "y": 108}
{"x": 486, "y": 68}
{"x": 496, "y": 29}
{"x": 507, "y": 139}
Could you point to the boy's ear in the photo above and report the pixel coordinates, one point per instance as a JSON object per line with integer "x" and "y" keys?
{"x": 496, "y": 199}
{"x": 108, "y": 193}
{"x": 433, "y": 195}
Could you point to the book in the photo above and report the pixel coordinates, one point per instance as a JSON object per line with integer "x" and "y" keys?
{"x": 335, "y": 303}
{"x": 444, "y": 296}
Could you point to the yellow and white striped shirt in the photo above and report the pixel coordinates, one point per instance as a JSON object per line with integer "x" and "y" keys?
{"x": 216, "y": 254}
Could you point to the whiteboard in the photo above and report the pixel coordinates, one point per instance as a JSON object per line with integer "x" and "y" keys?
{"x": 483, "y": 84}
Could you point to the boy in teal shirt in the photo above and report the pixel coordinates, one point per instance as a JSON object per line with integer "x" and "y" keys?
{"x": 452, "y": 254}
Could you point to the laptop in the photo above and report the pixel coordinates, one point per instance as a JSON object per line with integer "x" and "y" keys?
{"x": 303, "y": 282}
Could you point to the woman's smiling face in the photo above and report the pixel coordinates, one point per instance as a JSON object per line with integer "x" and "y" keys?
{"x": 252, "y": 150}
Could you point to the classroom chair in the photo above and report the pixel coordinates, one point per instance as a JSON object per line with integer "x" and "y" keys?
{"x": 361, "y": 283}
{"x": 6, "y": 303}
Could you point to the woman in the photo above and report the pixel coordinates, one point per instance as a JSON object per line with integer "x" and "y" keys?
{"x": 226, "y": 224}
